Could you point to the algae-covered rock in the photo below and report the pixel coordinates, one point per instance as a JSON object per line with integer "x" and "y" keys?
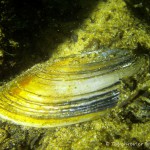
{"x": 94, "y": 24}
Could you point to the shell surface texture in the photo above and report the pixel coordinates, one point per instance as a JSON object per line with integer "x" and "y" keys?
{"x": 67, "y": 90}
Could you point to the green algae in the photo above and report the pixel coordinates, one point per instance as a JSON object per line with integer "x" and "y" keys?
{"x": 109, "y": 24}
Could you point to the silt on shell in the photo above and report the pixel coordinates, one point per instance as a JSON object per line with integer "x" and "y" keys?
{"x": 69, "y": 89}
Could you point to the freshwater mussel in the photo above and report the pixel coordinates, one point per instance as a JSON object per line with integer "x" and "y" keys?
{"x": 69, "y": 89}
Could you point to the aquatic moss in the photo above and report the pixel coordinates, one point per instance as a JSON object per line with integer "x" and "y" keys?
{"x": 110, "y": 25}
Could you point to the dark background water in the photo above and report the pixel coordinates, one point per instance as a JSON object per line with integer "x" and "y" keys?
{"x": 29, "y": 22}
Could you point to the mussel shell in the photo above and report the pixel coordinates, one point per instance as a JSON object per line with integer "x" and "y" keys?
{"x": 69, "y": 89}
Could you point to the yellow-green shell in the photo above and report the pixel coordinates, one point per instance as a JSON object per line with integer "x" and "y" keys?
{"x": 67, "y": 90}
